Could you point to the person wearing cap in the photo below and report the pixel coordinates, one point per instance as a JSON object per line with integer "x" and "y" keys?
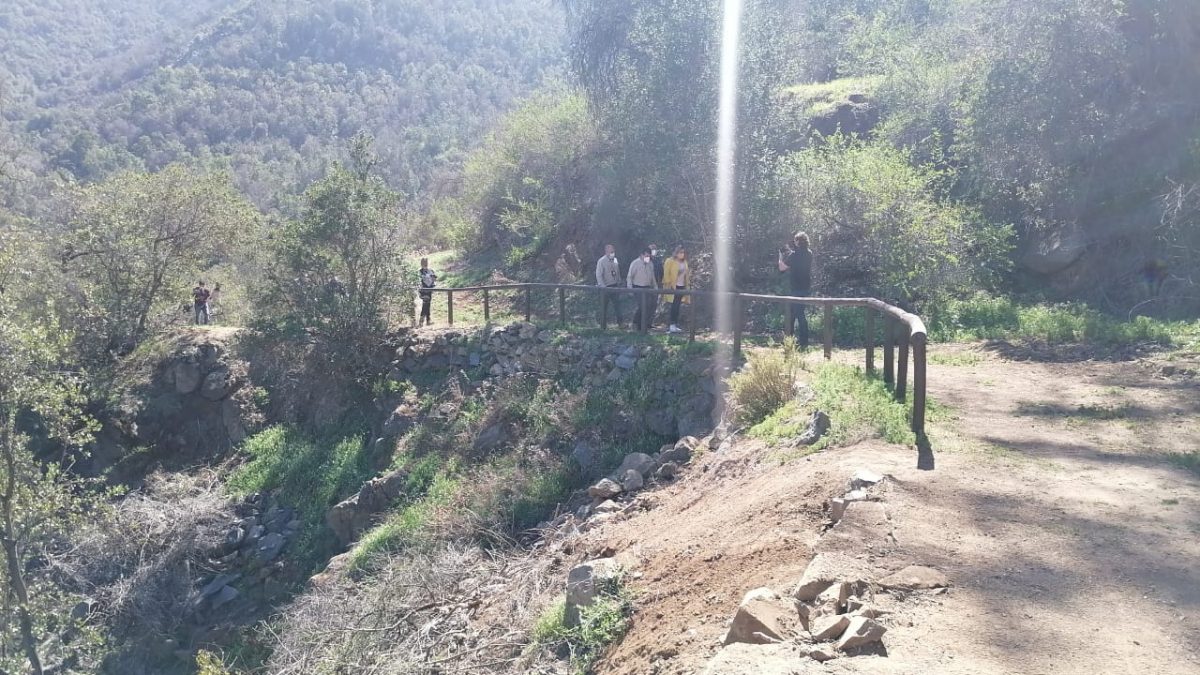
{"x": 641, "y": 275}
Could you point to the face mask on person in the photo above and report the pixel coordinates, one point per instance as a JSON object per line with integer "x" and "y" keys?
{"x": 645, "y": 258}
{"x": 653, "y": 252}
{"x": 612, "y": 256}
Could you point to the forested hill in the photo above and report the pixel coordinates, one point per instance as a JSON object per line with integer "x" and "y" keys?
{"x": 278, "y": 86}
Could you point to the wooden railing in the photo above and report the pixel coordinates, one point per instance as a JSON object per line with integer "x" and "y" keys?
{"x": 902, "y": 332}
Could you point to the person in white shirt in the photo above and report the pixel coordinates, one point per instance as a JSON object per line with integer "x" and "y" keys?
{"x": 641, "y": 275}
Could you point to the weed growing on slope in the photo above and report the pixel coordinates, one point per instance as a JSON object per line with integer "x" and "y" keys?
{"x": 766, "y": 383}
{"x": 601, "y": 624}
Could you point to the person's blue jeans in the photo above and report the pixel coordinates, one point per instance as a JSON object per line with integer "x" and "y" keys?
{"x": 201, "y": 312}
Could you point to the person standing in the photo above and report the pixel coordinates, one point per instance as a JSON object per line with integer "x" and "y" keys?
{"x": 656, "y": 257}
{"x": 200, "y": 296}
{"x": 428, "y": 281}
{"x": 796, "y": 260}
{"x": 641, "y": 275}
{"x": 677, "y": 275}
{"x": 608, "y": 275}
{"x": 213, "y": 298}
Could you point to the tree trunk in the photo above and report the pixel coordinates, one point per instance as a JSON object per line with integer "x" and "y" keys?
{"x": 17, "y": 583}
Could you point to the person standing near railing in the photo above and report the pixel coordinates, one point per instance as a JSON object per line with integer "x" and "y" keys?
{"x": 428, "y": 280}
{"x": 796, "y": 260}
{"x": 677, "y": 275}
{"x": 641, "y": 275}
{"x": 608, "y": 275}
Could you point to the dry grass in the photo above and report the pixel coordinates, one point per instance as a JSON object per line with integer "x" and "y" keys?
{"x": 448, "y": 608}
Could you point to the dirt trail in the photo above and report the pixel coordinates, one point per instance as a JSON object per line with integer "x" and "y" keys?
{"x": 1072, "y": 543}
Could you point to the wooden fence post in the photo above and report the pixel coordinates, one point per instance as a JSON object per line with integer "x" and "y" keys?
{"x": 450, "y": 307}
{"x": 562, "y": 306}
{"x": 918, "y": 413}
{"x": 693, "y": 310}
{"x": 528, "y": 306}
{"x": 603, "y": 307}
{"x": 737, "y": 326}
{"x": 889, "y": 350}
{"x": 487, "y": 308}
{"x": 827, "y": 328}
{"x": 870, "y": 330}
{"x": 902, "y": 365}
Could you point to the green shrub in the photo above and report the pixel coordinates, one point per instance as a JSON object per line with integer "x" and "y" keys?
{"x": 765, "y": 383}
{"x": 601, "y": 624}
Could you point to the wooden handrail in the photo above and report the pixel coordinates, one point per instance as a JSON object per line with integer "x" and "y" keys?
{"x": 895, "y": 365}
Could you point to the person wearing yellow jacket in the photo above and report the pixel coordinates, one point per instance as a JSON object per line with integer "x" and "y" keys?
{"x": 677, "y": 274}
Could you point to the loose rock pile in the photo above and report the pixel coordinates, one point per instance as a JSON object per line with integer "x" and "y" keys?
{"x": 636, "y": 469}
{"x": 249, "y": 557}
{"x": 834, "y": 610}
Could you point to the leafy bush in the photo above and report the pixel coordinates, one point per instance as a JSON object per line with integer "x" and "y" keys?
{"x": 880, "y": 224}
{"x": 766, "y": 382}
{"x": 525, "y": 181}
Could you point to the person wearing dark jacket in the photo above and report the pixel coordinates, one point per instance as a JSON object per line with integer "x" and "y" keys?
{"x": 796, "y": 261}
{"x": 428, "y": 280}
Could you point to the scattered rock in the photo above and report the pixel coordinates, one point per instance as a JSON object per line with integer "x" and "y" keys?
{"x": 605, "y": 489}
{"x": 268, "y": 549}
{"x": 587, "y": 457}
{"x": 681, "y": 452}
{"x": 639, "y": 461}
{"x": 632, "y": 481}
{"x": 350, "y": 518}
{"x": 490, "y": 438}
{"x": 826, "y": 628}
{"x": 837, "y": 505}
{"x": 608, "y": 507}
{"x": 832, "y": 600}
{"x": 217, "y": 583}
{"x": 861, "y": 631}
{"x": 585, "y": 582}
{"x": 668, "y": 470}
{"x": 915, "y": 577}
{"x": 864, "y": 478}
{"x": 822, "y": 654}
{"x": 818, "y": 426}
{"x": 224, "y": 596}
{"x": 626, "y": 362}
{"x": 186, "y": 375}
{"x": 764, "y": 617}
{"x": 216, "y": 385}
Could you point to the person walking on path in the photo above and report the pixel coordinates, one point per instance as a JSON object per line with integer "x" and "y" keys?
{"x": 677, "y": 275}
{"x": 797, "y": 262}
{"x": 656, "y": 257}
{"x": 200, "y": 296}
{"x": 608, "y": 275}
{"x": 428, "y": 280}
{"x": 641, "y": 275}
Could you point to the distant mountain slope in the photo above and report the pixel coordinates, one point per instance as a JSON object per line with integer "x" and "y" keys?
{"x": 277, "y": 86}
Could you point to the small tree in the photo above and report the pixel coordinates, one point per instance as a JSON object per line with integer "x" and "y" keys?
{"x": 336, "y": 274}
{"x": 40, "y": 503}
{"x": 139, "y": 240}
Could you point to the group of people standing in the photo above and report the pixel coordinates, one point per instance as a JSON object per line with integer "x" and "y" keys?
{"x": 649, "y": 270}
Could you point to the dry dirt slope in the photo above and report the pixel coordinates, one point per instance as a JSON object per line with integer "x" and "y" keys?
{"x": 1072, "y": 544}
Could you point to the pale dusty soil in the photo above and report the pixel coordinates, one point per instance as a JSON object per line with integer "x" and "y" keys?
{"x": 1072, "y": 545}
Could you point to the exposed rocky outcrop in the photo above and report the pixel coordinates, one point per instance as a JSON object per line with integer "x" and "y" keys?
{"x": 353, "y": 516}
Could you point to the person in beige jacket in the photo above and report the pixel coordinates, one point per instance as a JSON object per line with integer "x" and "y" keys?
{"x": 641, "y": 275}
{"x": 608, "y": 275}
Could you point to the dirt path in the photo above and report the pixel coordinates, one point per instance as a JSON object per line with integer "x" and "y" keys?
{"x": 1072, "y": 542}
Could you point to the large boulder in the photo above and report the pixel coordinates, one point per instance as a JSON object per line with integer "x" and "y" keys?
{"x": 861, "y": 632}
{"x": 605, "y": 489}
{"x": 764, "y": 617}
{"x": 639, "y": 462}
{"x": 217, "y": 384}
{"x": 186, "y": 376}
{"x": 588, "y": 581}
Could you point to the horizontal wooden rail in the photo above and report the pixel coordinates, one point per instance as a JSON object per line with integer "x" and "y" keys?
{"x": 902, "y": 331}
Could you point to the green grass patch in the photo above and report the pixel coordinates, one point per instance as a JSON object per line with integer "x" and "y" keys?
{"x": 407, "y": 525}
{"x": 603, "y": 623}
{"x": 309, "y": 475}
{"x": 957, "y": 359}
{"x": 985, "y": 317}
{"x": 859, "y": 408}
{"x": 1186, "y": 460}
{"x": 816, "y": 99}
